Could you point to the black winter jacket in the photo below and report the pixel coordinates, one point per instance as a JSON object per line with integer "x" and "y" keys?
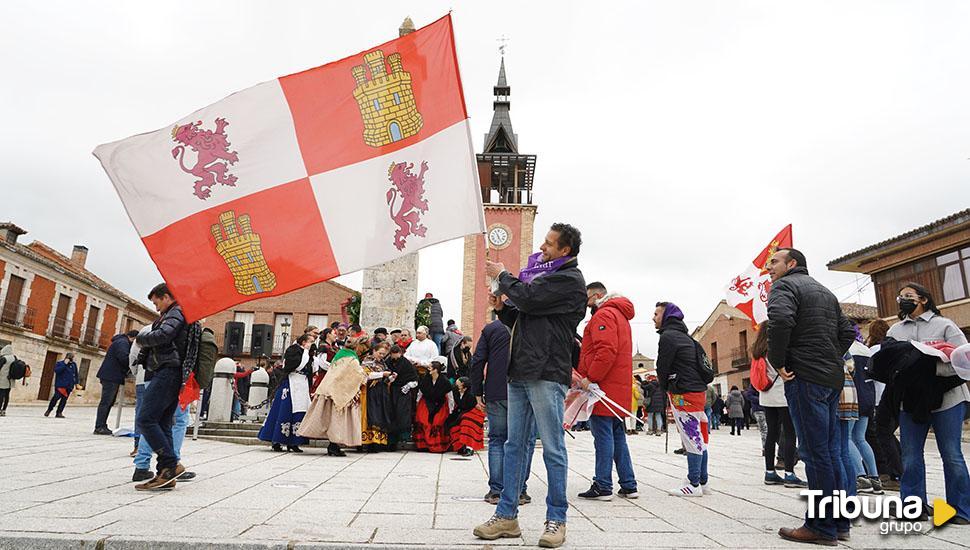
{"x": 114, "y": 368}
{"x": 911, "y": 376}
{"x": 677, "y": 359}
{"x": 492, "y": 349}
{"x": 807, "y": 332}
{"x": 437, "y": 324}
{"x": 543, "y": 316}
{"x": 164, "y": 346}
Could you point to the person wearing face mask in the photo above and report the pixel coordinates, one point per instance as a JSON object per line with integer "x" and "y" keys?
{"x": 921, "y": 321}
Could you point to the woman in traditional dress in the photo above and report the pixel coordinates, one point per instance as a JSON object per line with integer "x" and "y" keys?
{"x": 335, "y": 413}
{"x": 375, "y": 400}
{"x": 291, "y": 400}
{"x": 465, "y": 423}
{"x": 403, "y": 380}
{"x": 432, "y": 412}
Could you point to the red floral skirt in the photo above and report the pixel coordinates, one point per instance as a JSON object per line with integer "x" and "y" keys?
{"x": 429, "y": 433}
{"x": 469, "y": 432}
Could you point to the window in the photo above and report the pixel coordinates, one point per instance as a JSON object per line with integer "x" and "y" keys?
{"x": 924, "y": 272}
{"x": 954, "y": 274}
{"x": 377, "y": 105}
{"x": 743, "y": 341}
{"x": 397, "y": 98}
{"x": 82, "y": 372}
{"x": 91, "y": 332}
{"x": 714, "y": 356}
{"x": 247, "y": 318}
{"x": 11, "y": 306}
{"x": 283, "y": 332}
{"x": 317, "y": 320}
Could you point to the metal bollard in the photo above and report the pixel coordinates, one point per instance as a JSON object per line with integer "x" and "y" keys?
{"x": 220, "y": 405}
{"x": 258, "y": 389}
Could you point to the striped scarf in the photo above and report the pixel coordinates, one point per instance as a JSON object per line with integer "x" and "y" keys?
{"x": 193, "y": 337}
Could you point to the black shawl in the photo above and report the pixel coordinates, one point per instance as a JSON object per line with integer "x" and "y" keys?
{"x": 434, "y": 393}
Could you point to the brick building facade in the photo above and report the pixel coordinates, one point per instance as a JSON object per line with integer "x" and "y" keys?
{"x": 319, "y": 305}
{"x": 50, "y": 305}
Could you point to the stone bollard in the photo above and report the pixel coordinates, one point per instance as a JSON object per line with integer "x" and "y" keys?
{"x": 258, "y": 390}
{"x": 220, "y": 404}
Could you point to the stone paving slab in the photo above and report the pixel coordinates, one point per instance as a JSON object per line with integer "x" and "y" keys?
{"x": 61, "y": 487}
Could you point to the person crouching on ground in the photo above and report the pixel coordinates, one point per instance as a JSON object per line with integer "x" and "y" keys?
{"x": 604, "y": 360}
{"x": 465, "y": 424}
{"x": 432, "y": 412}
{"x": 677, "y": 372}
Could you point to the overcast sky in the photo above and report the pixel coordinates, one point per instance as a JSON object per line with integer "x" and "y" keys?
{"x": 678, "y": 137}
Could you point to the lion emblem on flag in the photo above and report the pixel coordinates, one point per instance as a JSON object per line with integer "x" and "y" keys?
{"x": 407, "y": 193}
{"x": 213, "y": 155}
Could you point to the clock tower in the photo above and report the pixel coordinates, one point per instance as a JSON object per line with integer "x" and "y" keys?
{"x": 506, "y": 179}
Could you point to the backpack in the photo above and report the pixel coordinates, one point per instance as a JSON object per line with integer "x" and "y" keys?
{"x": 205, "y": 365}
{"x": 704, "y": 368}
{"x": 759, "y": 375}
{"x": 18, "y": 369}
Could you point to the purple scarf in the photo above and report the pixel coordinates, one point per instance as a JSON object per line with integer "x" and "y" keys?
{"x": 535, "y": 269}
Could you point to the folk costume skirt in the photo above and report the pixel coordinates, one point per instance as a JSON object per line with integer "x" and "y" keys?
{"x": 282, "y": 423}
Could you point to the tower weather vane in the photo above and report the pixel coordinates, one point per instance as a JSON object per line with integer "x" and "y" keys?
{"x": 503, "y": 42}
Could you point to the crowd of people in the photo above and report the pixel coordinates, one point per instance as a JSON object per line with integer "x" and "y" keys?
{"x": 819, "y": 394}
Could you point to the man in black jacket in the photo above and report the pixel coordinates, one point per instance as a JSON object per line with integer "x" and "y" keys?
{"x": 546, "y": 302}
{"x": 807, "y": 337}
{"x": 162, "y": 350}
{"x": 112, "y": 375}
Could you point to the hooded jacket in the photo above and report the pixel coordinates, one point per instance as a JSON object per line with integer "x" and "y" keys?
{"x": 677, "y": 357}
{"x": 437, "y": 324}
{"x": 807, "y": 332}
{"x": 65, "y": 374}
{"x": 114, "y": 368}
{"x": 543, "y": 316}
{"x": 607, "y": 347}
{"x": 6, "y": 359}
{"x": 165, "y": 345}
{"x": 492, "y": 350}
{"x": 735, "y": 404}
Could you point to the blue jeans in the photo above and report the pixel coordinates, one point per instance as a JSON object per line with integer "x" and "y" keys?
{"x": 714, "y": 419}
{"x": 437, "y": 337}
{"x": 847, "y": 464}
{"x": 814, "y": 413}
{"x": 862, "y": 455}
{"x": 538, "y": 403}
{"x": 154, "y": 420}
{"x": 697, "y": 469}
{"x": 180, "y": 425}
{"x": 609, "y": 440}
{"x": 655, "y": 421}
{"x": 498, "y": 433}
{"x": 947, "y": 426}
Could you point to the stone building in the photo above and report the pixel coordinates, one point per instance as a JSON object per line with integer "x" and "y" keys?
{"x": 936, "y": 255}
{"x": 727, "y": 334}
{"x": 318, "y": 305}
{"x": 52, "y": 305}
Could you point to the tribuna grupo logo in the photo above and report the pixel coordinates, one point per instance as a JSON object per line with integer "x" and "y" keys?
{"x": 898, "y": 515}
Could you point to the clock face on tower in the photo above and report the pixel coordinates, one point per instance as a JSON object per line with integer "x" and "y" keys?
{"x": 499, "y": 236}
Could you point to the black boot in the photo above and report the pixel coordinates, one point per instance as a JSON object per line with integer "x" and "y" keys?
{"x": 334, "y": 450}
{"x": 294, "y": 449}
{"x": 277, "y": 447}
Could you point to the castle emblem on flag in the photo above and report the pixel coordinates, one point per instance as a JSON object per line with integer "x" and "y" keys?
{"x": 243, "y": 253}
{"x": 409, "y": 188}
{"x": 386, "y": 100}
{"x": 214, "y": 156}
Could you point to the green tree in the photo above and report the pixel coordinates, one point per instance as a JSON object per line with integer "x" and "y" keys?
{"x": 422, "y": 314}
{"x": 353, "y": 308}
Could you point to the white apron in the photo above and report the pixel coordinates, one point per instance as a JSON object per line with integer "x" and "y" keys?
{"x": 300, "y": 387}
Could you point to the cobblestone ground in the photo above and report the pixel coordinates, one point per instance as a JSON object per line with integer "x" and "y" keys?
{"x": 61, "y": 487}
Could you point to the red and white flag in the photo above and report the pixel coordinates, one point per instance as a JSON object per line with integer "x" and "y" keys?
{"x": 307, "y": 177}
{"x": 749, "y": 290}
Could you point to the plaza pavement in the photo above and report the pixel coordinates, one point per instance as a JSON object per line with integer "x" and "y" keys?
{"x": 61, "y": 487}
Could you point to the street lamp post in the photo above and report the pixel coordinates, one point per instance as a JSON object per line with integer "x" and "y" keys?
{"x": 285, "y": 325}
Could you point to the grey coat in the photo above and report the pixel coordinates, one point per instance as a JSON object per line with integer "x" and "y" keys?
{"x": 7, "y": 358}
{"x": 735, "y": 404}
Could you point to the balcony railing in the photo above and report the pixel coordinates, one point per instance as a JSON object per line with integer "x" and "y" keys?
{"x": 90, "y": 336}
{"x": 18, "y": 316}
{"x": 62, "y": 328}
{"x": 740, "y": 358}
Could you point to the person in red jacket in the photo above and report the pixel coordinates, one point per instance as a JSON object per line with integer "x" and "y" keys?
{"x": 605, "y": 360}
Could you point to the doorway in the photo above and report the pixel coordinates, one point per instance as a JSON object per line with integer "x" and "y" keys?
{"x": 47, "y": 377}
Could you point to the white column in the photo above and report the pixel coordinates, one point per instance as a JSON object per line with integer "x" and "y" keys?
{"x": 220, "y": 404}
{"x": 258, "y": 390}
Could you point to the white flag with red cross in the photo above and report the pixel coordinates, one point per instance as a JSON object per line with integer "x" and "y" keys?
{"x": 748, "y": 291}
{"x": 306, "y": 177}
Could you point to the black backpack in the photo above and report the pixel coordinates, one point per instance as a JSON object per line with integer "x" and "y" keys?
{"x": 18, "y": 369}
{"x": 704, "y": 368}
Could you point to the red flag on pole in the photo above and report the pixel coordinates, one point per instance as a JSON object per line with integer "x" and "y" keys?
{"x": 749, "y": 290}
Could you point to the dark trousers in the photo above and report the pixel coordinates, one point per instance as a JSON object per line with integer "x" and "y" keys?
{"x": 814, "y": 413}
{"x": 4, "y": 399}
{"x": 154, "y": 421}
{"x": 779, "y": 421}
{"x": 109, "y": 392}
{"x": 886, "y": 421}
{"x": 59, "y": 400}
{"x": 736, "y": 424}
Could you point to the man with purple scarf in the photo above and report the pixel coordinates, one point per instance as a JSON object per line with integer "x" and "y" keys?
{"x": 545, "y": 304}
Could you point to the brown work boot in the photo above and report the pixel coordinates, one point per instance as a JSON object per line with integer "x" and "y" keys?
{"x": 165, "y": 480}
{"x": 806, "y": 535}
{"x": 554, "y": 535}
{"x": 179, "y": 470}
{"x": 498, "y": 528}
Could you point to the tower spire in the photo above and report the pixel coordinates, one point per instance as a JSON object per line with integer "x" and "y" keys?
{"x": 500, "y": 137}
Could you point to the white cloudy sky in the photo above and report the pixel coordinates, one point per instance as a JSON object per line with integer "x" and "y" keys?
{"x": 678, "y": 136}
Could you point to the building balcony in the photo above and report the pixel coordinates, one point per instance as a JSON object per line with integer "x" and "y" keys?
{"x": 62, "y": 328}
{"x": 740, "y": 358}
{"x": 18, "y": 316}
{"x": 91, "y": 337}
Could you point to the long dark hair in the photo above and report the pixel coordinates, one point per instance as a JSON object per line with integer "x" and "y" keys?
{"x": 922, "y": 292}
{"x": 759, "y": 348}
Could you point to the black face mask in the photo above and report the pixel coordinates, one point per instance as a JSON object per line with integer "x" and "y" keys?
{"x": 592, "y": 309}
{"x": 907, "y": 306}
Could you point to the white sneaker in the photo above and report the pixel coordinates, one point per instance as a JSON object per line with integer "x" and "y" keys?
{"x": 687, "y": 490}
{"x": 706, "y": 488}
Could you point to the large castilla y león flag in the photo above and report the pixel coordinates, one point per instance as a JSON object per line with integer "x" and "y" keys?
{"x": 749, "y": 290}
{"x": 309, "y": 176}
